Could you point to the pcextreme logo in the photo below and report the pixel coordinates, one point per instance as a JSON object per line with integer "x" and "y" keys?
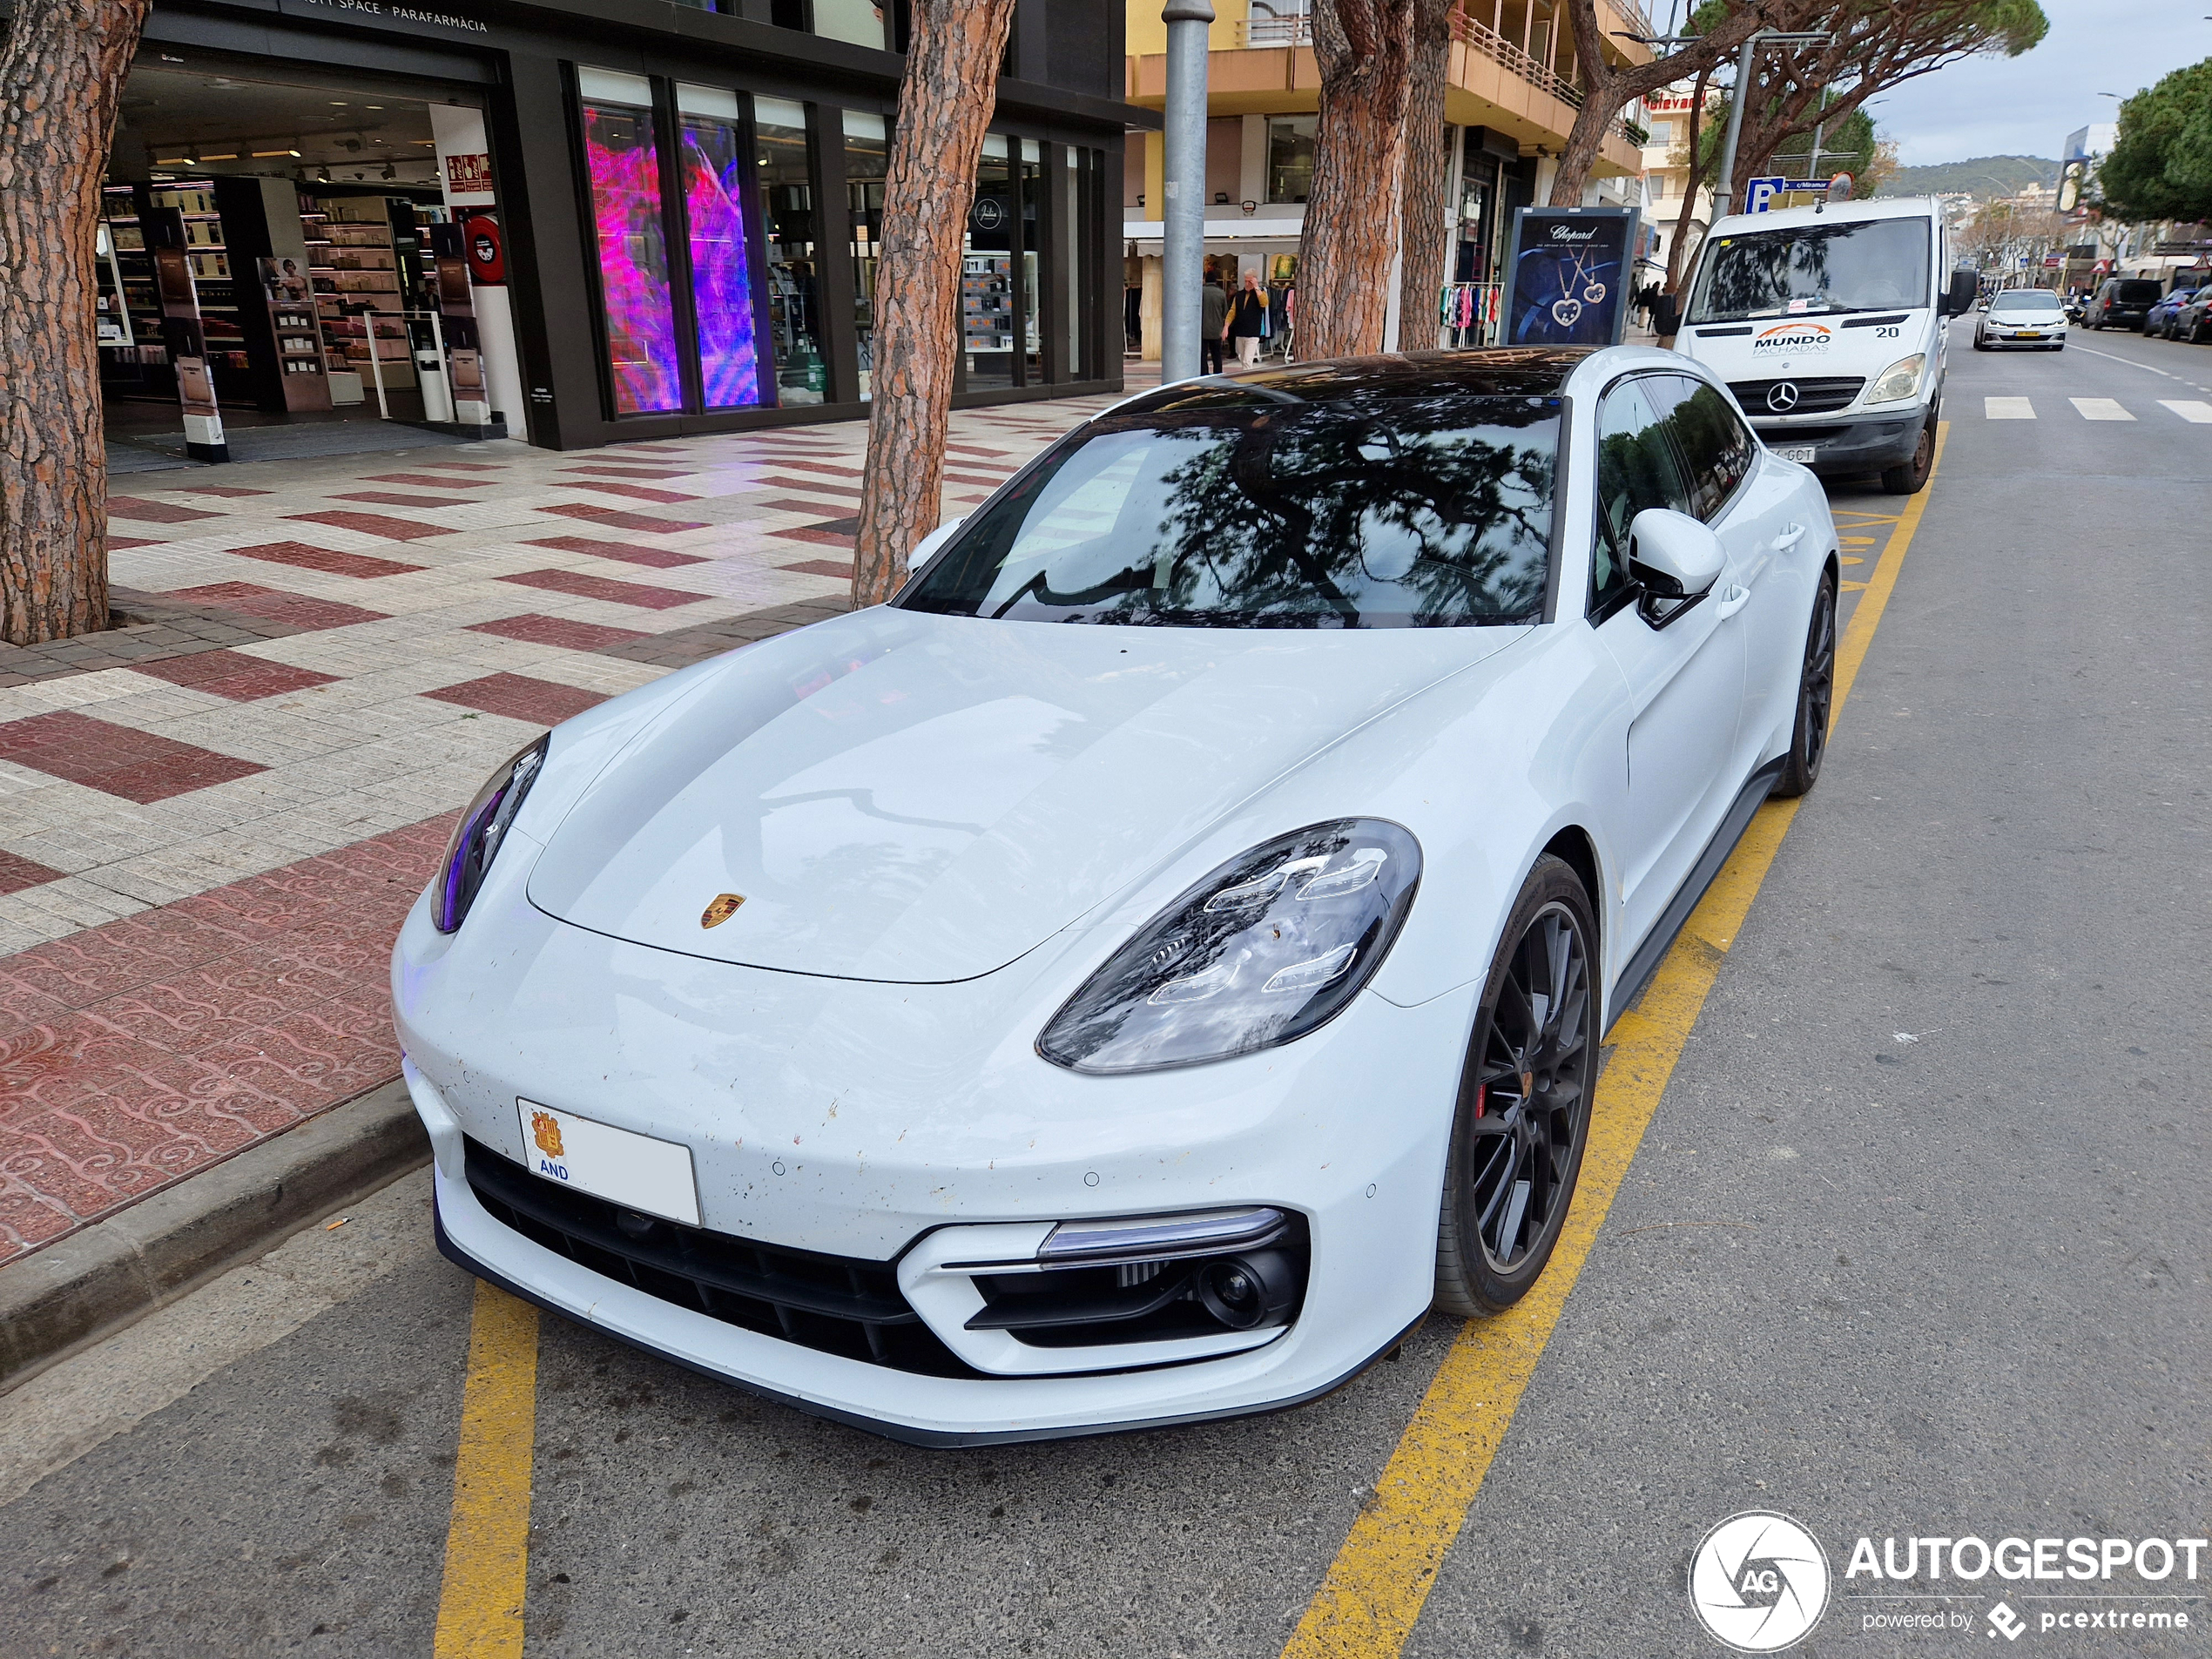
{"x": 1758, "y": 1582}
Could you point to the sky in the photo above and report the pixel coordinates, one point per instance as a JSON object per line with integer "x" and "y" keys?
{"x": 2026, "y": 106}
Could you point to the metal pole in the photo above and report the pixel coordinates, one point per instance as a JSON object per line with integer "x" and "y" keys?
{"x": 1183, "y": 265}
{"x": 1724, "y": 190}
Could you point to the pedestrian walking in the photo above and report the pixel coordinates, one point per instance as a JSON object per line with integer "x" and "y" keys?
{"x": 1213, "y": 324}
{"x": 1247, "y": 323}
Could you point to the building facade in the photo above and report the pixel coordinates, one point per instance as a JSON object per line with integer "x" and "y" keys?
{"x": 591, "y": 222}
{"x": 1510, "y": 99}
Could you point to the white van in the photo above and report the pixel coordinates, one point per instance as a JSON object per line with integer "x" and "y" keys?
{"x": 1828, "y": 323}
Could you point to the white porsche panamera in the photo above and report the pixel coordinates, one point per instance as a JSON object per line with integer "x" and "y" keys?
{"x": 1137, "y": 973}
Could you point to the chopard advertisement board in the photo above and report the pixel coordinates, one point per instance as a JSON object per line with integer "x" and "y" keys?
{"x": 1568, "y": 278}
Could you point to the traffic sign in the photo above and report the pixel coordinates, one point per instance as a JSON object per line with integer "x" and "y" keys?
{"x": 1759, "y": 193}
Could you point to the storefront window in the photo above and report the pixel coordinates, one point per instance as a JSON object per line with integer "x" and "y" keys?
{"x": 858, "y": 20}
{"x": 868, "y": 161}
{"x": 986, "y": 298}
{"x": 624, "y": 162}
{"x": 714, "y": 189}
{"x": 1033, "y": 217}
{"x": 1290, "y": 157}
{"x": 794, "y": 289}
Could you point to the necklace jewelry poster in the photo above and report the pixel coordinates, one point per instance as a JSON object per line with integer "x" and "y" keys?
{"x": 1568, "y": 275}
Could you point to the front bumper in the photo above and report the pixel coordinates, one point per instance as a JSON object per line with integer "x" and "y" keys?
{"x": 878, "y": 1122}
{"x": 1850, "y": 443}
{"x": 2043, "y": 339}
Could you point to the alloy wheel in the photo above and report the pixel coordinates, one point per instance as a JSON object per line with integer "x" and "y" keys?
{"x": 1817, "y": 692}
{"x": 1532, "y": 1093}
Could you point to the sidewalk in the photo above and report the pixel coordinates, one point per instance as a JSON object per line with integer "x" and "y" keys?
{"x": 214, "y": 819}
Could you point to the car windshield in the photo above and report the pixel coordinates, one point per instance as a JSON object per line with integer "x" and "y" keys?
{"x": 2034, "y": 299}
{"x": 1366, "y": 512}
{"x": 1806, "y": 270}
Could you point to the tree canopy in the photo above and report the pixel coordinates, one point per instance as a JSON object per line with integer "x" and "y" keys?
{"x": 2160, "y": 164}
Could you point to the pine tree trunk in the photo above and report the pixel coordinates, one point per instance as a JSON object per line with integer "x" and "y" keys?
{"x": 62, "y": 66}
{"x": 1364, "y": 51}
{"x": 1688, "y": 212}
{"x": 1584, "y": 140}
{"x": 1422, "y": 203}
{"x": 945, "y": 105}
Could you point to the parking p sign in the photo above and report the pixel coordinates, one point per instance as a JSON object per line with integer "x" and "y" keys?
{"x": 1759, "y": 193}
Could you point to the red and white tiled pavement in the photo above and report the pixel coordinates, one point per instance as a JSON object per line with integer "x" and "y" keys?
{"x": 214, "y": 819}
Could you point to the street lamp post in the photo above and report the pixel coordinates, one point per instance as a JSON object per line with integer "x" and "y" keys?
{"x": 1183, "y": 215}
{"x": 1724, "y": 189}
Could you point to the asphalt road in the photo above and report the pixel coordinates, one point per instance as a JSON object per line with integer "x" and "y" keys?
{"x": 1916, "y": 1244}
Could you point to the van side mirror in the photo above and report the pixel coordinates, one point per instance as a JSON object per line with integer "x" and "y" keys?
{"x": 1675, "y": 558}
{"x": 1965, "y": 288}
{"x": 1666, "y": 316}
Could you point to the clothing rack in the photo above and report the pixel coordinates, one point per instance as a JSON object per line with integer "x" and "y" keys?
{"x": 1468, "y": 311}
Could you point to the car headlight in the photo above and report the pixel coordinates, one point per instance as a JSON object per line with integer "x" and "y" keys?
{"x": 482, "y": 828}
{"x": 1901, "y": 379}
{"x": 1267, "y": 948}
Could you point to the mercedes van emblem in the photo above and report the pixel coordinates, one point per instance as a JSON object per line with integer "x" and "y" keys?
{"x": 1782, "y": 396}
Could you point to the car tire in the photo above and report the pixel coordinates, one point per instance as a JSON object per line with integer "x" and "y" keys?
{"x": 1522, "y": 1118}
{"x": 1816, "y": 697}
{"x": 1980, "y": 343}
{"x": 1908, "y": 477}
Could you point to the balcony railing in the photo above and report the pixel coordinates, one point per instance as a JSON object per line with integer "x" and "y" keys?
{"x": 1488, "y": 40}
{"x": 1297, "y": 30}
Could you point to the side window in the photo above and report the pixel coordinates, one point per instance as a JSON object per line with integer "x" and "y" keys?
{"x": 1715, "y": 447}
{"x": 1636, "y": 468}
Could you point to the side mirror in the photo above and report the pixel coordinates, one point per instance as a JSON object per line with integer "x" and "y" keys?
{"x": 927, "y": 549}
{"x": 1965, "y": 288}
{"x": 1675, "y": 558}
{"x": 1666, "y": 316}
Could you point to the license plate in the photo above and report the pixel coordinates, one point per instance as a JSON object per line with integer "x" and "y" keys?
{"x": 618, "y": 1165}
{"x": 2024, "y": 335}
{"x": 1802, "y": 454}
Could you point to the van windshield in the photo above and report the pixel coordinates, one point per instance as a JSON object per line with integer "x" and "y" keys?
{"x": 1808, "y": 270}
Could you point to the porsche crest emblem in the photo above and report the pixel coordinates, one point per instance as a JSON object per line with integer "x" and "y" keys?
{"x": 724, "y": 907}
{"x": 545, "y": 1130}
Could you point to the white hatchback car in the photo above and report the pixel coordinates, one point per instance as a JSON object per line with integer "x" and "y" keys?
{"x": 1135, "y": 975}
{"x": 2022, "y": 317}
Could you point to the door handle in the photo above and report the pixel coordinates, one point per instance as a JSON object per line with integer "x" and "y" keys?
{"x": 1732, "y": 600}
{"x": 1788, "y": 538}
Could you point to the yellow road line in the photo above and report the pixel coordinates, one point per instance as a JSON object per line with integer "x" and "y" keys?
{"x": 480, "y": 1606}
{"x": 1373, "y": 1595}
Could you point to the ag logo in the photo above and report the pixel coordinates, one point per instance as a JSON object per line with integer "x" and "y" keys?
{"x": 1782, "y": 396}
{"x": 723, "y": 907}
{"x": 545, "y": 1130}
{"x": 1758, "y": 1582}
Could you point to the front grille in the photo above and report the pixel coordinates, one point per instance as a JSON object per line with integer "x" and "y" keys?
{"x": 1816, "y": 395}
{"x": 828, "y": 1303}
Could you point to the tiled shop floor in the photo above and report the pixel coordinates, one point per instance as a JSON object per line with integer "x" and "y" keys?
{"x": 214, "y": 817}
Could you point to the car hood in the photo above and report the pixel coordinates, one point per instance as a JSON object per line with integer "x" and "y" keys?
{"x": 907, "y": 796}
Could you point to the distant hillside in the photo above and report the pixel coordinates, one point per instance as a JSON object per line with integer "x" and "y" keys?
{"x": 1985, "y": 176}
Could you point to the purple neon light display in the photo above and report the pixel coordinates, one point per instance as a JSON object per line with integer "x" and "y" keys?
{"x": 721, "y": 278}
{"x": 633, "y": 260}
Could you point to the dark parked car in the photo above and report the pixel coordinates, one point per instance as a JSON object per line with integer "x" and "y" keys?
{"x": 2193, "y": 322}
{"x": 2123, "y": 302}
{"x": 2160, "y": 319}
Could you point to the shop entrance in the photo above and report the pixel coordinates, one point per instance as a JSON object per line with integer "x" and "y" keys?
{"x": 300, "y": 262}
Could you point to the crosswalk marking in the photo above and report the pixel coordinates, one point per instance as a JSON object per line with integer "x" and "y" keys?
{"x": 2008, "y": 408}
{"x": 2195, "y": 413}
{"x": 2100, "y": 409}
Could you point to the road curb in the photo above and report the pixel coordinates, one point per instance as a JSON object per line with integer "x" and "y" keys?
{"x": 61, "y": 1298}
